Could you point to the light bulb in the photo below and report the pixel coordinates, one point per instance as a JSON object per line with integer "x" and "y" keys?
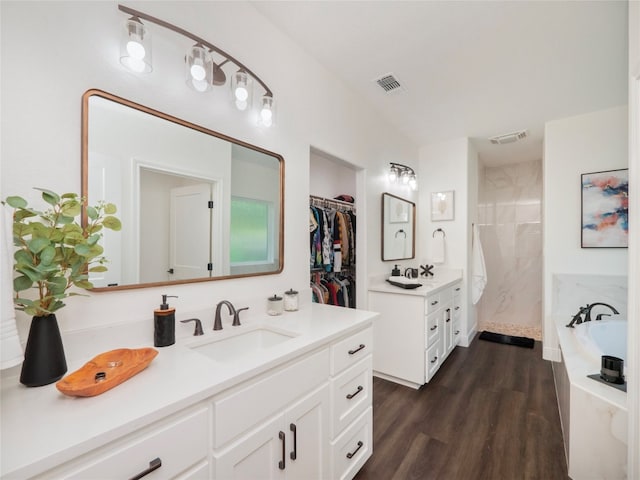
{"x": 136, "y": 49}
{"x": 198, "y": 72}
{"x": 393, "y": 174}
{"x": 413, "y": 182}
{"x": 199, "y": 85}
{"x": 266, "y": 113}
{"x": 242, "y": 93}
{"x": 199, "y": 67}
{"x": 404, "y": 177}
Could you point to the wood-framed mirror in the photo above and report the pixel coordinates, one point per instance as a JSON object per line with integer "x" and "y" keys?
{"x": 398, "y": 228}
{"x": 195, "y": 205}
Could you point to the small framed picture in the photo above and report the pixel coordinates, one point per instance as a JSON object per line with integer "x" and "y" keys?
{"x": 442, "y": 206}
{"x": 605, "y": 209}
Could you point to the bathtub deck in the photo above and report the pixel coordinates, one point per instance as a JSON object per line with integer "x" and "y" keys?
{"x": 489, "y": 413}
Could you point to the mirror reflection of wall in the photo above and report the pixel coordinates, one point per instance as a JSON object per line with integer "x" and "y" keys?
{"x": 193, "y": 205}
{"x": 398, "y": 228}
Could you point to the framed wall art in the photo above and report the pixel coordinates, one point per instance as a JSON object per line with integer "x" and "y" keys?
{"x": 442, "y": 206}
{"x": 605, "y": 209}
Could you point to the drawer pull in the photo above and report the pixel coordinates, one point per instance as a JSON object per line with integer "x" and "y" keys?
{"x": 351, "y": 454}
{"x": 457, "y": 308}
{"x": 433, "y": 328}
{"x": 435, "y": 302}
{"x": 457, "y": 332}
{"x": 281, "y": 463}
{"x": 435, "y": 359}
{"x": 293, "y": 455}
{"x": 351, "y": 395}
{"x": 457, "y": 289}
{"x": 154, "y": 464}
{"x": 351, "y": 352}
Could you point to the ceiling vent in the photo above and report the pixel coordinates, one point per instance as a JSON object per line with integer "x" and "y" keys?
{"x": 508, "y": 137}
{"x": 389, "y": 83}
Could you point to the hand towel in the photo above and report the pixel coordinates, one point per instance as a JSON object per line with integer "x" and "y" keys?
{"x": 478, "y": 269}
{"x": 438, "y": 250}
{"x": 10, "y": 349}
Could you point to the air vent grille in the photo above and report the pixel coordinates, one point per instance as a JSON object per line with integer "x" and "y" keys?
{"x": 389, "y": 83}
{"x": 508, "y": 137}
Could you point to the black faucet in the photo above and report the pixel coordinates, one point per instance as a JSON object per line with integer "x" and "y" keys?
{"x": 217, "y": 324}
{"x": 587, "y": 317}
{"x": 586, "y": 311}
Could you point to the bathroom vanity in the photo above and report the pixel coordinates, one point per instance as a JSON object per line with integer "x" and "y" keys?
{"x": 417, "y": 328}
{"x": 296, "y": 403}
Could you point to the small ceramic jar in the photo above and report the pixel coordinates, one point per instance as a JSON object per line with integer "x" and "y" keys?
{"x": 275, "y": 305}
{"x": 290, "y": 300}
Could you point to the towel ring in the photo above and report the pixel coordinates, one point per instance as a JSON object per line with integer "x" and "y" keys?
{"x": 402, "y": 232}
{"x": 438, "y": 230}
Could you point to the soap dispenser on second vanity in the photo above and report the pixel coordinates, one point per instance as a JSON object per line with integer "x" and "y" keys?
{"x": 164, "y": 324}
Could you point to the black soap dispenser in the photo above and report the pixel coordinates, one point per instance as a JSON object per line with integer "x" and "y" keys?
{"x": 395, "y": 272}
{"x": 164, "y": 324}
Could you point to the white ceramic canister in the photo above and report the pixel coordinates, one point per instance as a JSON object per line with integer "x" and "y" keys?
{"x": 275, "y": 305}
{"x": 290, "y": 300}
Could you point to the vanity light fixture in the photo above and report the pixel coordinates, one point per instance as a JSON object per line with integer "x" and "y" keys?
{"x": 135, "y": 46}
{"x": 203, "y": 70}
{"x": 405, "y": 174}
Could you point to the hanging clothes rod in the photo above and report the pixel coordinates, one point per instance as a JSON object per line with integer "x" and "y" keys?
{"x": 329, "y": 202}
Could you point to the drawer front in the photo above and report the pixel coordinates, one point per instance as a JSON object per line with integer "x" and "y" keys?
{"x": 456, "y": 333}
{"x": 433, "y": 328}
{"x": 247, "y": 407}
{"x": 178, "y": 445}
{"x": 433, "y": 359}
{"x": 351, "y": 394}
{"x": 352, "y": 449}
{"x": 351, "y": 350}
{"x": 433, "y": 302}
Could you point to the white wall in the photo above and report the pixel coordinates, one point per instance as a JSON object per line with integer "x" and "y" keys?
{"x": 582, "y": 144}
{"x": 451, "y": 165}
{"x": 72, "y": 47}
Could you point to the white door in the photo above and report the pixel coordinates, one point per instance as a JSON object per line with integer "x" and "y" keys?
{"x": 190, "y": 232}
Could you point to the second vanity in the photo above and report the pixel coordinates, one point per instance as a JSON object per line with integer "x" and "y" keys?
{"x": 417, "y": 328}
{"x": 296, "y": 405}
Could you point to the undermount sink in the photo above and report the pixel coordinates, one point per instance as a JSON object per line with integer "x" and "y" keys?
{"x": 248, "y": 342}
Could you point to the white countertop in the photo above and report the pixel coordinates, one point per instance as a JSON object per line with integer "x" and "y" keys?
{"x": 42, "y": 428}
{"x": 429, "y": 286}
{"x": 579, "y": 363}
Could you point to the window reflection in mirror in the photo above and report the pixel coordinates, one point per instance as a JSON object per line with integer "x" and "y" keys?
{"x": 398, "y": 228}
{"x": 195, "y": 205}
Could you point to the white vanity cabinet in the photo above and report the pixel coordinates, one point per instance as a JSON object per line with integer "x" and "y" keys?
{"x": 289, "y": 424}
{"x": 415, "y": 332}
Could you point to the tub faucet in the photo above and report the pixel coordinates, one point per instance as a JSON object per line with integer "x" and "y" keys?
{"x": 587, "y": 317}
{"x": 577, "y": 318}
{"x": 217, "y": 324}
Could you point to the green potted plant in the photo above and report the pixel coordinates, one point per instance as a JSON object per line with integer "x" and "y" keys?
{"x": 54, "y": 253}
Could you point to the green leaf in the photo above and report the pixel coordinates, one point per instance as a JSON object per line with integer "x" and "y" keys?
{"x": 69, "y": 195}
{"x": 50, "y": 197}
{"x": 92, "y": 213}
{"x": 93, "y": 239}
{"x": 110, "y": 208}
{"x": 98, "y": 268}
{"x": 17, "y": 202}
{"x": 23, "y": 257}
{"x": 20, "y": 215}
{"x": 36, "y": 245}
{"x": 22, "y": 283}
{"x": 47, "y": 255}
{"x": 86, "y": 284}
{"x": 71, "y": 208}
{"x": 65, "y": 220}
{"x": 112, "y": 223}
{"x": 57, "y": 285}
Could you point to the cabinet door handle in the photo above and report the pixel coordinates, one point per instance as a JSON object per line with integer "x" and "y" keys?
{"x": 351, "y": 395}
{"x": 457, "y": 308}
{"x": 293, "y": 455}
{"x": 351, "y": 352}
{"x": 435, "y": 302}
{"x": 281, "y": 463}
{"x": 435, "y": 359}
{"x": 154, "y": 464}
{"x": 351, "y": 454}
{"x": 457, "y": 289}
{"x": 433, "y": 328}
{"x": 457, "y": 332}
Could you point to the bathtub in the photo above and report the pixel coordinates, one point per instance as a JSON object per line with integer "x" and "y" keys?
{"x": 603, "y": 337}
{"x": 593, "y": 415}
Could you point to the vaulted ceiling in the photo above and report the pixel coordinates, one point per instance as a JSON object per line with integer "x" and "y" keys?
{"x": 469, "y": 68}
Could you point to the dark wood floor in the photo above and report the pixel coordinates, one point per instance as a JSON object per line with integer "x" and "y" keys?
{"x": 489, "y": 413}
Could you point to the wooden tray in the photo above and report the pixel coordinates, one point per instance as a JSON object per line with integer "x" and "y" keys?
{"x": 107, "y": 370}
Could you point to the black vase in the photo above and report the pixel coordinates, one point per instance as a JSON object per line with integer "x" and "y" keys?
{"x": 44, "y": 360}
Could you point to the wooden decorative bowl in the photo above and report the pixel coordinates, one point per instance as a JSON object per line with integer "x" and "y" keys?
{"x": 107, "y": 370}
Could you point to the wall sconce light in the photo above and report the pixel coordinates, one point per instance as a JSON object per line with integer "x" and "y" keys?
{"x": 202, "y": 70}
{"x": 404, "y": 174}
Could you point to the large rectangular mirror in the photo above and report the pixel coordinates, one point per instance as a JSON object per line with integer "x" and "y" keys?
{"x": 398, "y": 228}
{"x": 195, "y": 205}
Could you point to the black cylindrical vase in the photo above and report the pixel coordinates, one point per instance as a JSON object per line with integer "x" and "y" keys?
{"x": 44, "y": 360}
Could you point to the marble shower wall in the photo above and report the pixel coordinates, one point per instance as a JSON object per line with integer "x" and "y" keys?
{"x": 509, "y": 216}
